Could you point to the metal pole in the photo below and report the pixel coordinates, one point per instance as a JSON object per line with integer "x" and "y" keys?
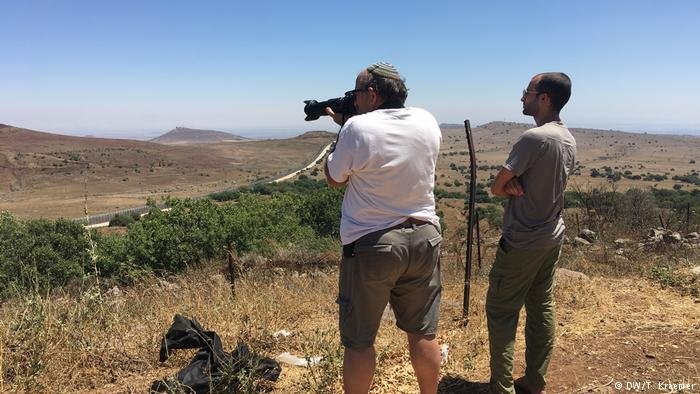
{"x": 470, "y": 225}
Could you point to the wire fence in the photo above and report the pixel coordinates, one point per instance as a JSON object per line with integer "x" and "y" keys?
{"x": 107, "y": 217}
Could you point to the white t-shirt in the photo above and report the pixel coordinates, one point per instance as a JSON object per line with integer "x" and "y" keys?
{"x": 389, "y": 157}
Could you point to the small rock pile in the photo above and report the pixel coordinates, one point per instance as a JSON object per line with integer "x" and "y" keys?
{"x": 657, "y": 237}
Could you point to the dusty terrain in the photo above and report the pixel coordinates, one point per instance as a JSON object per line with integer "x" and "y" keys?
{"x": 635, "y": 152}
{"x": 48, "y": 175}
{"x": 621, "y": 329}
{"x": 610, "y": 330}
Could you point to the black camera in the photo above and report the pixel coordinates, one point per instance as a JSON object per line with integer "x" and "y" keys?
{"x": 341, "y": 105}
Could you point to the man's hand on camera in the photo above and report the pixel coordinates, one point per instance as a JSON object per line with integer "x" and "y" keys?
{"x": 337, "y": 118}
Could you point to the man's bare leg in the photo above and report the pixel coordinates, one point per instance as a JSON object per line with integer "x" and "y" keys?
{"x": 425, "y": 358}
{"x": 358, "y": 369}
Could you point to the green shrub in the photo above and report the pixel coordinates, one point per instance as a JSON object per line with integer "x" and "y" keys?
{"x": 41, "y": 254}
{"x": 493, "y": 214}
{"x": 124, "y": 219}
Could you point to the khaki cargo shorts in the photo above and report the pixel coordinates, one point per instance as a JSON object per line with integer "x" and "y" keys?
{"x": 400, "y": 266}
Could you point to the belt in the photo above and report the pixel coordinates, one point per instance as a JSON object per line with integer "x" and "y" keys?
{"x": 410, "y": 222}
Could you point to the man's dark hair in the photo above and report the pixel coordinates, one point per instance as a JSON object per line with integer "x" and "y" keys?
{"x": 557, "y": 86}
{"x": 393, "y": 91}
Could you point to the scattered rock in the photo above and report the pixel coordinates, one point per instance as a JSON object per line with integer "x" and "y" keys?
{"x": 696, "y": 270}
{"x": 619, "y": 259}
{"x": 279, "y": 271}
{"x": 114, "y": 292}
{"x": 174, "y": 287}
{"x": 563, "y": 274}
{"x": 281, "y": 334}
{"x": 620, "y": 252}
{"x": 114, "y": 295}
{"x": 218, "y": 279}
{"x": 444, "y": 353}
{"x": 578, "y": 241}
{"x": 655, "y": 234}
{"x": 588, "y": 235}
{"x": 318, "y": 274}
{"x": 672, "y": 237}
{"x": 620, "y": 242}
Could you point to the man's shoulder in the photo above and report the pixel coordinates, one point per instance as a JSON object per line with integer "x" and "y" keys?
{"x": 550, "y": 131}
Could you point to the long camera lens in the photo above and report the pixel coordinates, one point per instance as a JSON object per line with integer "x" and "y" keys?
{"x": 340, "y": 105}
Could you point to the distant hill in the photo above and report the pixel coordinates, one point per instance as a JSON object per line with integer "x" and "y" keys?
{"x": 187, "y": 136}
{"x": 317, "y": 134}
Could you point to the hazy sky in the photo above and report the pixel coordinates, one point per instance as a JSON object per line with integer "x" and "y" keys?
{"x": 140, "y": 68}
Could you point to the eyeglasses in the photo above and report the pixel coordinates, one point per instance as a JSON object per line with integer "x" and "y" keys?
{"x": 352, "y": 92}
{"x": 525, "y": 92}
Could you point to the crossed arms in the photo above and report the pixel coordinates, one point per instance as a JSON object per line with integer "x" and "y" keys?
{"x": 506, "y": 184}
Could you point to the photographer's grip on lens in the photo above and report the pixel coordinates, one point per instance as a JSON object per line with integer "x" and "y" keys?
{"x": 340, "y": 105}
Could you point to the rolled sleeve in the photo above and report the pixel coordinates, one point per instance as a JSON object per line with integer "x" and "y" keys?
{"x": 340, "y": 160}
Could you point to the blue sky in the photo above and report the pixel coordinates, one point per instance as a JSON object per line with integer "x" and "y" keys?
{"x": 140, "y": 68}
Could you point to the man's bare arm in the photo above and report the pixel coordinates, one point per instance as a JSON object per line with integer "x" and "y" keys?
{"x": 506, "y": 184}
{"x": 331, "y": 182}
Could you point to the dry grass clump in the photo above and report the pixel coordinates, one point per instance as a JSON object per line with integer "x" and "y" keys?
{"x": 108, "y": 342}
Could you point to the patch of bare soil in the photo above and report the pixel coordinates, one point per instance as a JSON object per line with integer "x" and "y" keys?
{"x": 643, "y": 334}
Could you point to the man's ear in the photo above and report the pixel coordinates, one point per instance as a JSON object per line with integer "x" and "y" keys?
{"x": 376, "y": 99}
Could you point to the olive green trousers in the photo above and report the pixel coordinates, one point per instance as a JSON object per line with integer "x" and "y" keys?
{"x": 521, "y": 277}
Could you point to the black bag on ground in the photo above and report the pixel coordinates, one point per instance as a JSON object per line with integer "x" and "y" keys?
{"x": 206, "y": 369}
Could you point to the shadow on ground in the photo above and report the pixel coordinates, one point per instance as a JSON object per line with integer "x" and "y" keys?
{"x": 456, "y": 384}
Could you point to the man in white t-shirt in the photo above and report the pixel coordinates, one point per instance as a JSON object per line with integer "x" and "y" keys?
{"x": 386, "y": 158}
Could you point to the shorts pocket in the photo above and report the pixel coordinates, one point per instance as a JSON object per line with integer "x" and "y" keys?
{"x": 435, "y": 241}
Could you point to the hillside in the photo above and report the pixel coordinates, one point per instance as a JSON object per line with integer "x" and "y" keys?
{"x": 44, "y": 174}
{"x": 187, "y": 136}
{"x": 649, "y": 156}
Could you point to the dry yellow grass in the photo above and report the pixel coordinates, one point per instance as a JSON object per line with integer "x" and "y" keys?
{"x": 96, "y": 342}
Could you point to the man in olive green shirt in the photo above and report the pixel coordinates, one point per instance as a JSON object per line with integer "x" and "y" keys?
{"x": 533, "y": 179}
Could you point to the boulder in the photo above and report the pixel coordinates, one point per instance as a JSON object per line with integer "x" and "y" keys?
{"x": 173, "y": 287}
{"x": 588, "y": 235}
{"x": 578, "y": 241}
{"x": 672, "y": 237}
{"x": 696, "y": 270}
{"x": 621, "y": 242}
{"x": 563, "y": 274}
{"x": 655, "y": 235}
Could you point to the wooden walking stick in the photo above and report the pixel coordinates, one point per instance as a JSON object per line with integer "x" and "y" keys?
{"x": 478, "y": 240}
{"x": 231, "y": 251}
{"x": 470, "y": 223}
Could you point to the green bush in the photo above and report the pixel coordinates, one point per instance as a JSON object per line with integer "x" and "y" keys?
{"x": 124, "y": 219}
{"x": 189, "y": 233}
{"x": 41, "y": 254}
{"x": 493, "y": 214}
